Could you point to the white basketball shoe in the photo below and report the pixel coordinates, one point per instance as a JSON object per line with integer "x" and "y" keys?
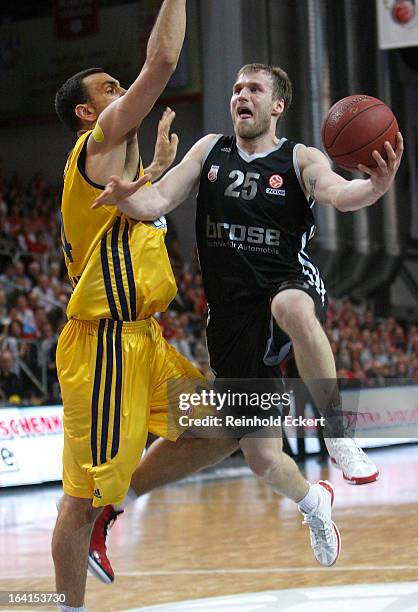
{"x": 325, "y": 537}
{"x": 356, "y": 466}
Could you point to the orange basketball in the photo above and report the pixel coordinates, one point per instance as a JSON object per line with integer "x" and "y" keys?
{"x": 356, "y": 126}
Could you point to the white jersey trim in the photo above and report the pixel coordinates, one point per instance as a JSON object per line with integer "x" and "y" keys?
{"x": 311, "y": 201}
{"x": 210, "y": 148}
{"x": 308, "y": 268}
{"x": 249, "y": 158}
{"x": 296, "y": 167}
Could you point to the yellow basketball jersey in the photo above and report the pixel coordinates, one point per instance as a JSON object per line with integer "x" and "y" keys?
{"x": 119, "y": 268}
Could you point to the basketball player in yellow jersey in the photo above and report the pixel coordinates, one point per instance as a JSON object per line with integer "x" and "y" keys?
{"x": 113, "y": 364}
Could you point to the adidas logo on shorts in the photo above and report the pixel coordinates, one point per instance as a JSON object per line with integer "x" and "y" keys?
{"x": 97, "y": 493}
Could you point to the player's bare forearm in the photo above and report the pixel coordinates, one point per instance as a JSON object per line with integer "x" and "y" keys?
{"x": 163, "y": 51}
{"x": 164, "y": 196}
{"x": 354, "y": 195}
{"x": 157, "y": 200}
{"x": 166, "y": 39}
{"x": 327, "y": 187}
{"x": 145, "y": 205}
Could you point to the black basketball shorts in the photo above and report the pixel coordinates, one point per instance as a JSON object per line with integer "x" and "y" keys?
{"x": 244, "y": 340}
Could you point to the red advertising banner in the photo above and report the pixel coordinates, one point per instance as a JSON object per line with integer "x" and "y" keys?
{"x": 75, "y": 18}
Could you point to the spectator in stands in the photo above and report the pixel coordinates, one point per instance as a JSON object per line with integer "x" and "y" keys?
{"x": 44, "y": 293}
{"x": 357, "y": 371}
{"x": 46, "y": 356}
{"x": 26, "y": 316}
{"x": 7, "y": 277}
{"x": 3, "y": 204}
{"x": 34, "y": 271}
{"x": 41, "y": 320}
{"x": 11, "y": 341}
{"x": 14, "y": 220}
{"x": 10, "y": 383}
{"x": 181, "y": 342}
{"x": 20, "y": 277}
{"x": 4, "y": 309}
{"x": 55, "y": 275}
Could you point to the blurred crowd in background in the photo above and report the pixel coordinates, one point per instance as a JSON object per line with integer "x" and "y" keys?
{"x": 34, "y": 292}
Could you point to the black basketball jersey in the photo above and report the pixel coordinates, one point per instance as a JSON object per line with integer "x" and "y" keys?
{"x": 253, "y": 222}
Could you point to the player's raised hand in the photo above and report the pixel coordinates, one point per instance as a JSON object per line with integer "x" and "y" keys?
{"x": 382, "y": 176}
{"x": 166, "y": 145}
{"x": 117, "y": 190}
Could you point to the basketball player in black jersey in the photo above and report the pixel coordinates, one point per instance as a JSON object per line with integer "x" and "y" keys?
{"x": 254, "y": 221}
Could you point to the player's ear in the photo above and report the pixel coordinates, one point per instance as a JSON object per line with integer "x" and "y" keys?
{"x": 86, "y": 113}
{"x": 278, "y": 107}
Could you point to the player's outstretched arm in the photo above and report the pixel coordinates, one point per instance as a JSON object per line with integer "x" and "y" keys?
{"x": 327, "y": 187}
{"x": 165, "y": 147}
{"x": 161, "y": 198}
{"x": 126, "y": 113}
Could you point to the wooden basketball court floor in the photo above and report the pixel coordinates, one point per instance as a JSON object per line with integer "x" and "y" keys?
{"x": 226, "y": 534}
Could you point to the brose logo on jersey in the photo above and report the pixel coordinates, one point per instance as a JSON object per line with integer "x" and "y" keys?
{"x": 275, "y": 182}
{"x": 241, "y": 233}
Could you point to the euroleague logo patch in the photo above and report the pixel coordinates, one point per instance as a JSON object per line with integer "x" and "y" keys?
{"x": 275, "y": 182}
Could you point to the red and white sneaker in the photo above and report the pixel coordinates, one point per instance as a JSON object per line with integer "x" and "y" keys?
{"x": 98, "y": 563}
{"x": 347, "y": 456}
{"x": 325, "y": 537}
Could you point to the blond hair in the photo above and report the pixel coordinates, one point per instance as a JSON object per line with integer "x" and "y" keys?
{"x": 282, "y": 85}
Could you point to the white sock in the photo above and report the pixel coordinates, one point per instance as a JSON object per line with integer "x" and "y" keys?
{"x": 310, "y": 501}
{"x": 131, "y": 496}
{"x": 70, "y": 609}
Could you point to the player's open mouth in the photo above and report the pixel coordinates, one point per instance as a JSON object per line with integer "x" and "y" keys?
{"x": 244, "y": 113}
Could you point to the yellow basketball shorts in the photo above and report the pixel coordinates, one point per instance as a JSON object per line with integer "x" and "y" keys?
{"x": 118, "y": 382}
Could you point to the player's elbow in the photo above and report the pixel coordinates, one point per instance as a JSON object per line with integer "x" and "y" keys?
{"x": 153, "y": 211}
{"x": 164, "y": 61}
{"x": 340, "y": 206}
{"x": 346, "y": 206}
{"x": 337, "y": 197}
{"x": 150, "y": 214}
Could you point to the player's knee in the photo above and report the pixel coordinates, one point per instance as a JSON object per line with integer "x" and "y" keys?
{"x": 219, "y": 449}
{"x": 296, "y": 317}
{"x": 77, "y": 512}
{"x": 264, "y": 465}
{"x": 74, "y": 523}
{"x": 205, "y": 452}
